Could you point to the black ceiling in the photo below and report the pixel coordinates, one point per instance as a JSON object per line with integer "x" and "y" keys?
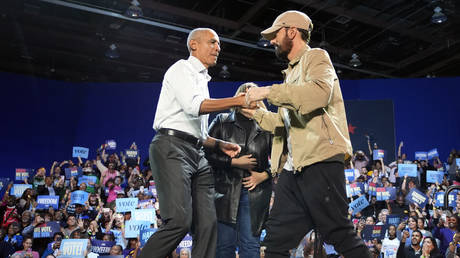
{"x": 67, "y": 40}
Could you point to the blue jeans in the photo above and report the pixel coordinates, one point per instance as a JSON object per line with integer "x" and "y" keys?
{"x": 229, "y": 237}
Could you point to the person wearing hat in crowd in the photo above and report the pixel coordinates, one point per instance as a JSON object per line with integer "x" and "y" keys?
{"x": 310, "y": 144}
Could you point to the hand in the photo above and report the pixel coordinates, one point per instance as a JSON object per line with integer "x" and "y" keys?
{"x": 257, "y": 93}
{"x": 244, "y": 162}
{"x": 229, "y": 148}
{"x": 405, "y": 236}
{"x": 401, "y": 144}
{"x": 255, "y": 179}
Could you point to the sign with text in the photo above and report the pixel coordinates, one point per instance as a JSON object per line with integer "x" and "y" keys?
{"x": 392, "y": 191}
{"x": 126, "y": 204}
{"x": 355, "y": 189}
{"x": 187, "y": 242}
{"x": 46, "y": 201}
{"x": 145, "y": 215}
{"x": 4, "y": 181}
{"x": 382, "y": 194}
{"x": 145, "y": 235}
{"x": 378, "y": 154}
{"x": 146, "y": 204}
{"x": 440, "y": 199}
{"x": 131, "y": 154}
{"x": 23, "y": 173}
{"x": 73, "y": 248}
{"x": 415, "y": 196}
{"x": 18, "y": 189}
{"x": 372, "y": 189}
{"x": 421, "y": 155}
{"x": 88, "y": 180}
{"x": 373, "y": 231}
{"x": 433, "y": 176}
{"x": 78, "y": 197}
{"x": 101, "y": 247}
{"x": 134, "y": 227}
{"x": 46, "y": 230}
{"x": 153, "y": 190}
{"x": 457, "y": 161}
{"x": 433, "y": 153}
{"x": 350, "y": 174}
{"x": 407, "y": 169}
{"x": 111, "y": 145}
{"x": 358, "y": 204}
{"x": 81, "y": 152}
{"x": 72, "y": 172}
{"x": 393, "y": 219}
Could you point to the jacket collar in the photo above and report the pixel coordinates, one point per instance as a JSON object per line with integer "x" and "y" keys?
{"x": 296, "y": 59}
{"x": 232, "y": 118}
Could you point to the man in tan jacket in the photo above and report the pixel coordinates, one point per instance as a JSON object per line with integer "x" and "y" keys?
{"x": 310, "y": 144}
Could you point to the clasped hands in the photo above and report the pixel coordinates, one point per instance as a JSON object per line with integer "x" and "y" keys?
{"x": 255, "y": 94}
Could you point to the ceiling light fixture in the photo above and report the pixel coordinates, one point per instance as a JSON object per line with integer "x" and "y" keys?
{"x": 438, "y": 16}
{"x": 354, "y": 61}
{"x": 134, "y": 11}
{"x": 263, "y": 43}
{"x": 112, "y": 52}
{"x": 224, "y": 73}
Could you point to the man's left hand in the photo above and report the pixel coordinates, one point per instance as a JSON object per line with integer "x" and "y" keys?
{"x": 257, "y": 93}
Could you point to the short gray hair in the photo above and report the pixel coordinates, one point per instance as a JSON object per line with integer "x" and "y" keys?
{"x": 195, "y": 35}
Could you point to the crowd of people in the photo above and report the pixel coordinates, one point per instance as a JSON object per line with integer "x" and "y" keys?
{"x": 428, "y": 231}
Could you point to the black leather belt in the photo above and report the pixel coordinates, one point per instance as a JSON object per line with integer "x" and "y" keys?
{"x": 183, "y": 136}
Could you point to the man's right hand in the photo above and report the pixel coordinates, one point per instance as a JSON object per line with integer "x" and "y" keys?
{"x": 244, "y": 162}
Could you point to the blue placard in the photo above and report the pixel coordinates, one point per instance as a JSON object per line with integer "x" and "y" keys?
{"x": 145, "y": 235}
{"x": 131, "y": 153}
{"x": 146, "y": 204}
{"x": 382, "y": 194}
{"x": 392, "y": 191}
{"x": 145, "y": 215}
{"x": 452, "y": 199}
{"x": 78, "y": 197}
{"x": 126, "y": 204}
{"x": 73, "y": 172}
{"x": 372, "y": 189}
{"x": 421, "y": 155}
{"x": 407, "y": 169}
{"x": 101, "y": 247}
{"x": 4, "y": 181}
{"x": 73, "y": 248}
{"x": 18, "y": 189}
{"x": 45, "y": 201}
{"x": 457, "y": 161}
{"x": 357, "y": 188}
{"x": 46, "y": 230}
{"x": 378, "y": 154}
{"x": 350, "y": 174}
{"x": 87, "y": 180}
{"x": 358, "y": 204}
{"x": 111, "y": 145}
{"x": 81, "y": 152}
{"x": 393, "y": 219}
{"x": 134, "y": 227}
{"x": 433, "y": 153}
{"x": 415, "y": 196}
{"x": 23, "y": 173}
{"x": 153, "y": 190}
{"x": 371, "y": 232}
{"x": 433, "y": 176}
{"x": 187, "y": 242}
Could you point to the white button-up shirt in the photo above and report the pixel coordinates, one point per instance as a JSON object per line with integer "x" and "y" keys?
{"x": 184, "y": 87}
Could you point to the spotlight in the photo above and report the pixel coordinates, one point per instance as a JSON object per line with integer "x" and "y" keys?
{"x": 134, "y": 11}
{"x": 112, "y": 52}
{"x": 263, "y": 43}
{"x": 354, "y": 61}
{"x": 224, "y": 73}
{"x": 438, "y": 16}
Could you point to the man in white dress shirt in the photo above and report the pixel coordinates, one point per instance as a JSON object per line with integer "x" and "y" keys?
{"x": 184, "y": 181}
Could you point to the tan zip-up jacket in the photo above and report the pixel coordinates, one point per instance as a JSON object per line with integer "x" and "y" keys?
{"x": 312, "y": 95}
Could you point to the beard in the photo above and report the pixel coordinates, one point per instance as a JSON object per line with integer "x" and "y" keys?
{"x": 282, "y": 50}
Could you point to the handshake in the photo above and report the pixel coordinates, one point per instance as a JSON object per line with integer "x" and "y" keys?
{"x": 253, "y": 95}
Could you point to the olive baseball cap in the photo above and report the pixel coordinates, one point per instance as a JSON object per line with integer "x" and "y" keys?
{"x": 288, "y": 19}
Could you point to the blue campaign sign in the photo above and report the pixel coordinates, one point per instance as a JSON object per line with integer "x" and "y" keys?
{"x": 358, "y": 204}
{"x": 350, "y": 174}
{"x": 433, "y": 153}
{"x": 439, "y": 197}
{"x": 73, "y": 172}
{"x": 146, "y": 204}
{"x": 453, "y": 198}
{"x": 421, "y": 155}
{"x": 187, "y": 242}
{"x": 153, "y": 190}
{"x": 433, "y": 176}
{"x": 46, "y": 230}
{"x": 382, "y": 194}
{"x": 18, "y": 189}
{"x": 126, "y": 204}
{"x": 392, "y": 191}
{"x": 372, "y": 189}
{"x": 145, "y": 235}
{"x": 111, "y": 145}
{"x": 45, "y": 201}
{"x": 101, "y": 247}
{"x": 73, "y": 248}
{"x": 378, "y": 154}
{"x": 131, "y": 153}
{"x": 4, "y": 181}
{"x": 78, "y": 197}
{"x": 415, "y": 196}
{"x": 407, "y": 169}
{"x": 134, "y": 227}
{"x": 457, "y": 161}
{"x": 393, "y": 219}
{"x": 81, "y": 152}
{"x": 23, "y": 173}
{"x": 145, "y": 215}
{"x": 87, "y": 180}
{"x": 371, "y": 232}
{"x": 348, "y": 190}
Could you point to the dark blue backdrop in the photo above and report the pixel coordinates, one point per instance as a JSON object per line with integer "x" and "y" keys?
{"x": 43, "y": 119}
